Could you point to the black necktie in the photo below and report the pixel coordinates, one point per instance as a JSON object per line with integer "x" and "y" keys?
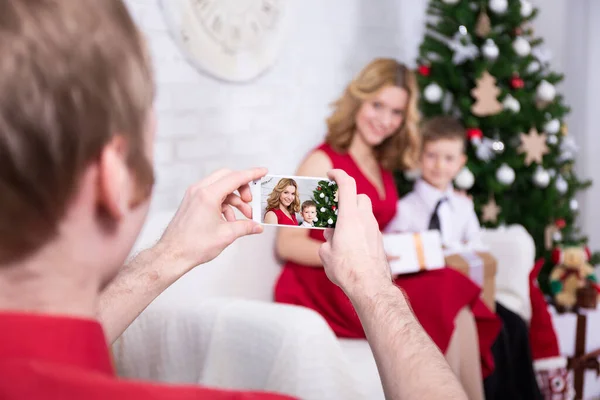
{"x": 434, "y": 222}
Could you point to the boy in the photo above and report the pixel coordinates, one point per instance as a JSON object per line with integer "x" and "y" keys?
{"x": 309, "y": 213}
{"x": 433, "y": 204}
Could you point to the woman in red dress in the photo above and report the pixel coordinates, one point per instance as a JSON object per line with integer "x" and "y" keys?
{"x": 373, "y": 131}
{"x": 283, "y": 203}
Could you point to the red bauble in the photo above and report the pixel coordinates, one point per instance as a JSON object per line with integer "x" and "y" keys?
{"x": 474, "y": 133}
{"x": 560, "y": 223}
{"x": 318, "y": 187}
{"x": 516, "y": 82}
{"x": 333, "y": 208}
{"x": 424, "y": 70}
{"x": 518, "y": 31}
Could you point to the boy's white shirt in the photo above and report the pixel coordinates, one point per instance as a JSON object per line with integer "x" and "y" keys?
{"x": 304, "y": 223}
{"x": 460, "y": 229}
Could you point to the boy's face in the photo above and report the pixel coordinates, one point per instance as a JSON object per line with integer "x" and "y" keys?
{"x": 441, "y": 160}
{"x": 309, "y": 213}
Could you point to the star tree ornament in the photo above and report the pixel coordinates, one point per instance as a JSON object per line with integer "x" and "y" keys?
{"x": 485, "y": 94}
{"x": 462, "y": 46}
{"x": 490, "y": 211}
{"x": 534, "y": 146}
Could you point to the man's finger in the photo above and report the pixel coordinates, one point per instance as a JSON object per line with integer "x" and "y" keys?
{"x": 235, "y": 201}
{"x": 242, "y": 228}
{"x": 214, "y": 176}
{"x": 235, "y": 180}
{"x": 346, "y": 190}
{"x": 364, "y": 203}
{"x": 245, "y": 193}
{"x": 228, "y": 213}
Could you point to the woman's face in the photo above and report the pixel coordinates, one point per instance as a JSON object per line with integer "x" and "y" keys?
{"x": 379, "y": 117}
{"x": 287, "y": 196}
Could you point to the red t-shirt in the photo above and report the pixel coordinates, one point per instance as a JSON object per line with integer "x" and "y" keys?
{"x": 46, "y": 357}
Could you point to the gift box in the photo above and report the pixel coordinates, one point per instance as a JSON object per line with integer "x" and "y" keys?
{"x": 579, "y": 340}
{"x": 481, "y": 268}
{"x": 415, "y": 251}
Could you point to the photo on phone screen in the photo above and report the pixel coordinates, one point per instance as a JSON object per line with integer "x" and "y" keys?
{"x": 295, "y": 201}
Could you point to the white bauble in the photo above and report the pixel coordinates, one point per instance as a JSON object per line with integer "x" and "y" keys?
{"x": 512, "y": 104}
{"x": 465, "y": 179}
{"x": 552, "y": 172}
{"x": 552, "y": 139}
{"x": 552, "y": 127}
{"x": 574, "y": 205}
{"x": 322, "y": 195}
{"x": 526, "y": 8}
{"x": 505, "y": 175}
{"x": 490, "y": 50}
{"x": 499, "y": 6}
{"x": 323, "y": 209}
{"x": 545, "y": 91}
{"x": 433, "y": 93}
{"x": 451, "y": 2}
{"x": 557, "y": 236}
{"x": 561, "y": 185}
{"x": 541, "y": 177}
{"x": 521, "y": 46}
{"x": 533, "y": 67}
{"x": 330, "y": 221}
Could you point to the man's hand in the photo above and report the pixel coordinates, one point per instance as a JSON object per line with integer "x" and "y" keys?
{"x": 205, "y": 223}
{"x": 353, "y": 256}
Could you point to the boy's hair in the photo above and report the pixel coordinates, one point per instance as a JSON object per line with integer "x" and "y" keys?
{"x": 73, "y": 74}
{"x": 308, "y": 203}
{"x": 442, "y": 127}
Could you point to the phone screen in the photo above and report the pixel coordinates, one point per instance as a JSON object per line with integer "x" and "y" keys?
{"x": 295, "y": 201}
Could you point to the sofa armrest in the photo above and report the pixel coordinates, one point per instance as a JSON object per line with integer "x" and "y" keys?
{"x": 237, "y": 344}
{"x": 514, "y": 250}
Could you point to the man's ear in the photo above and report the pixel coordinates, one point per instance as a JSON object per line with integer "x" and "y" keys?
{"x": 114, "y": 178}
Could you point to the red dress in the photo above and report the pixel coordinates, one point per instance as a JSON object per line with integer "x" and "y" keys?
{"x": 436, "y": 296}
{"x": 283, "y": 219}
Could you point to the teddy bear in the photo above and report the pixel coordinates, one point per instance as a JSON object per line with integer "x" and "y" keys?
{"x": 571, "y": 273}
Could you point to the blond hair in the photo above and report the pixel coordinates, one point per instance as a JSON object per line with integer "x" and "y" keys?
{"x": 273, "y": 200}
{"x": 73, "y": 74}
{"x": 401, "y": 149}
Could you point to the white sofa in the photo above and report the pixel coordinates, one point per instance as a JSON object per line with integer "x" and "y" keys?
{"x": 218, "y": 326}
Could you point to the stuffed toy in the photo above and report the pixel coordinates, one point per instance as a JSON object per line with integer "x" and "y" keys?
{"x": 571, "y": 274}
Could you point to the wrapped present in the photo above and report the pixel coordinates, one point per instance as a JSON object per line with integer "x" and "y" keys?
{"x": 579, "y": 340}
{"x": 414, "y": 251}
{"x": 481, "y": 268}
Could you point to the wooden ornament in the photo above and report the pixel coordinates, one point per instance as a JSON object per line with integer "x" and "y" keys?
{"x": 484, "y": 26}
{"x": 534, "y": 146}
{"x": 490, "y": 211}
{"x": 564, "y": 130}
{"x": 486, "y": 95}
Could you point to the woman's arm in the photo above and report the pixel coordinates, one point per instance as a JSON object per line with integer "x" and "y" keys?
{"x": 271, "y": 218}
{"x": 294, "y": 244}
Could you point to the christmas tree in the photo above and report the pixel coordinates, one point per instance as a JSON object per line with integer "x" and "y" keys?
{"x": 326, "y": 198}
{"x": 480, "y": 62}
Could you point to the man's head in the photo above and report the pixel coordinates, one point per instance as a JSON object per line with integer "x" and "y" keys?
{"x": 309, "y": 211}
{"x": 76, "y": 127}
{"x": 443, "y": 153}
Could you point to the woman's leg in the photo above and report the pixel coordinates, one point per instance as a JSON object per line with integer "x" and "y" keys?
{"x": 463, "y": 354}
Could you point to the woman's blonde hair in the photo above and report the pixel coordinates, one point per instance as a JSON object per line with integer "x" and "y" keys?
{"x": 401, "y": 149}
{"x": 273, "y": 200}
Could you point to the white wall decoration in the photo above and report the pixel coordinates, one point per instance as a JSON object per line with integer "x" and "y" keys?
{"x": 233, "y": 40}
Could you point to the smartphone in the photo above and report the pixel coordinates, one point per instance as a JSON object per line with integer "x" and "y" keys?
{"x": 295, "y": 201}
